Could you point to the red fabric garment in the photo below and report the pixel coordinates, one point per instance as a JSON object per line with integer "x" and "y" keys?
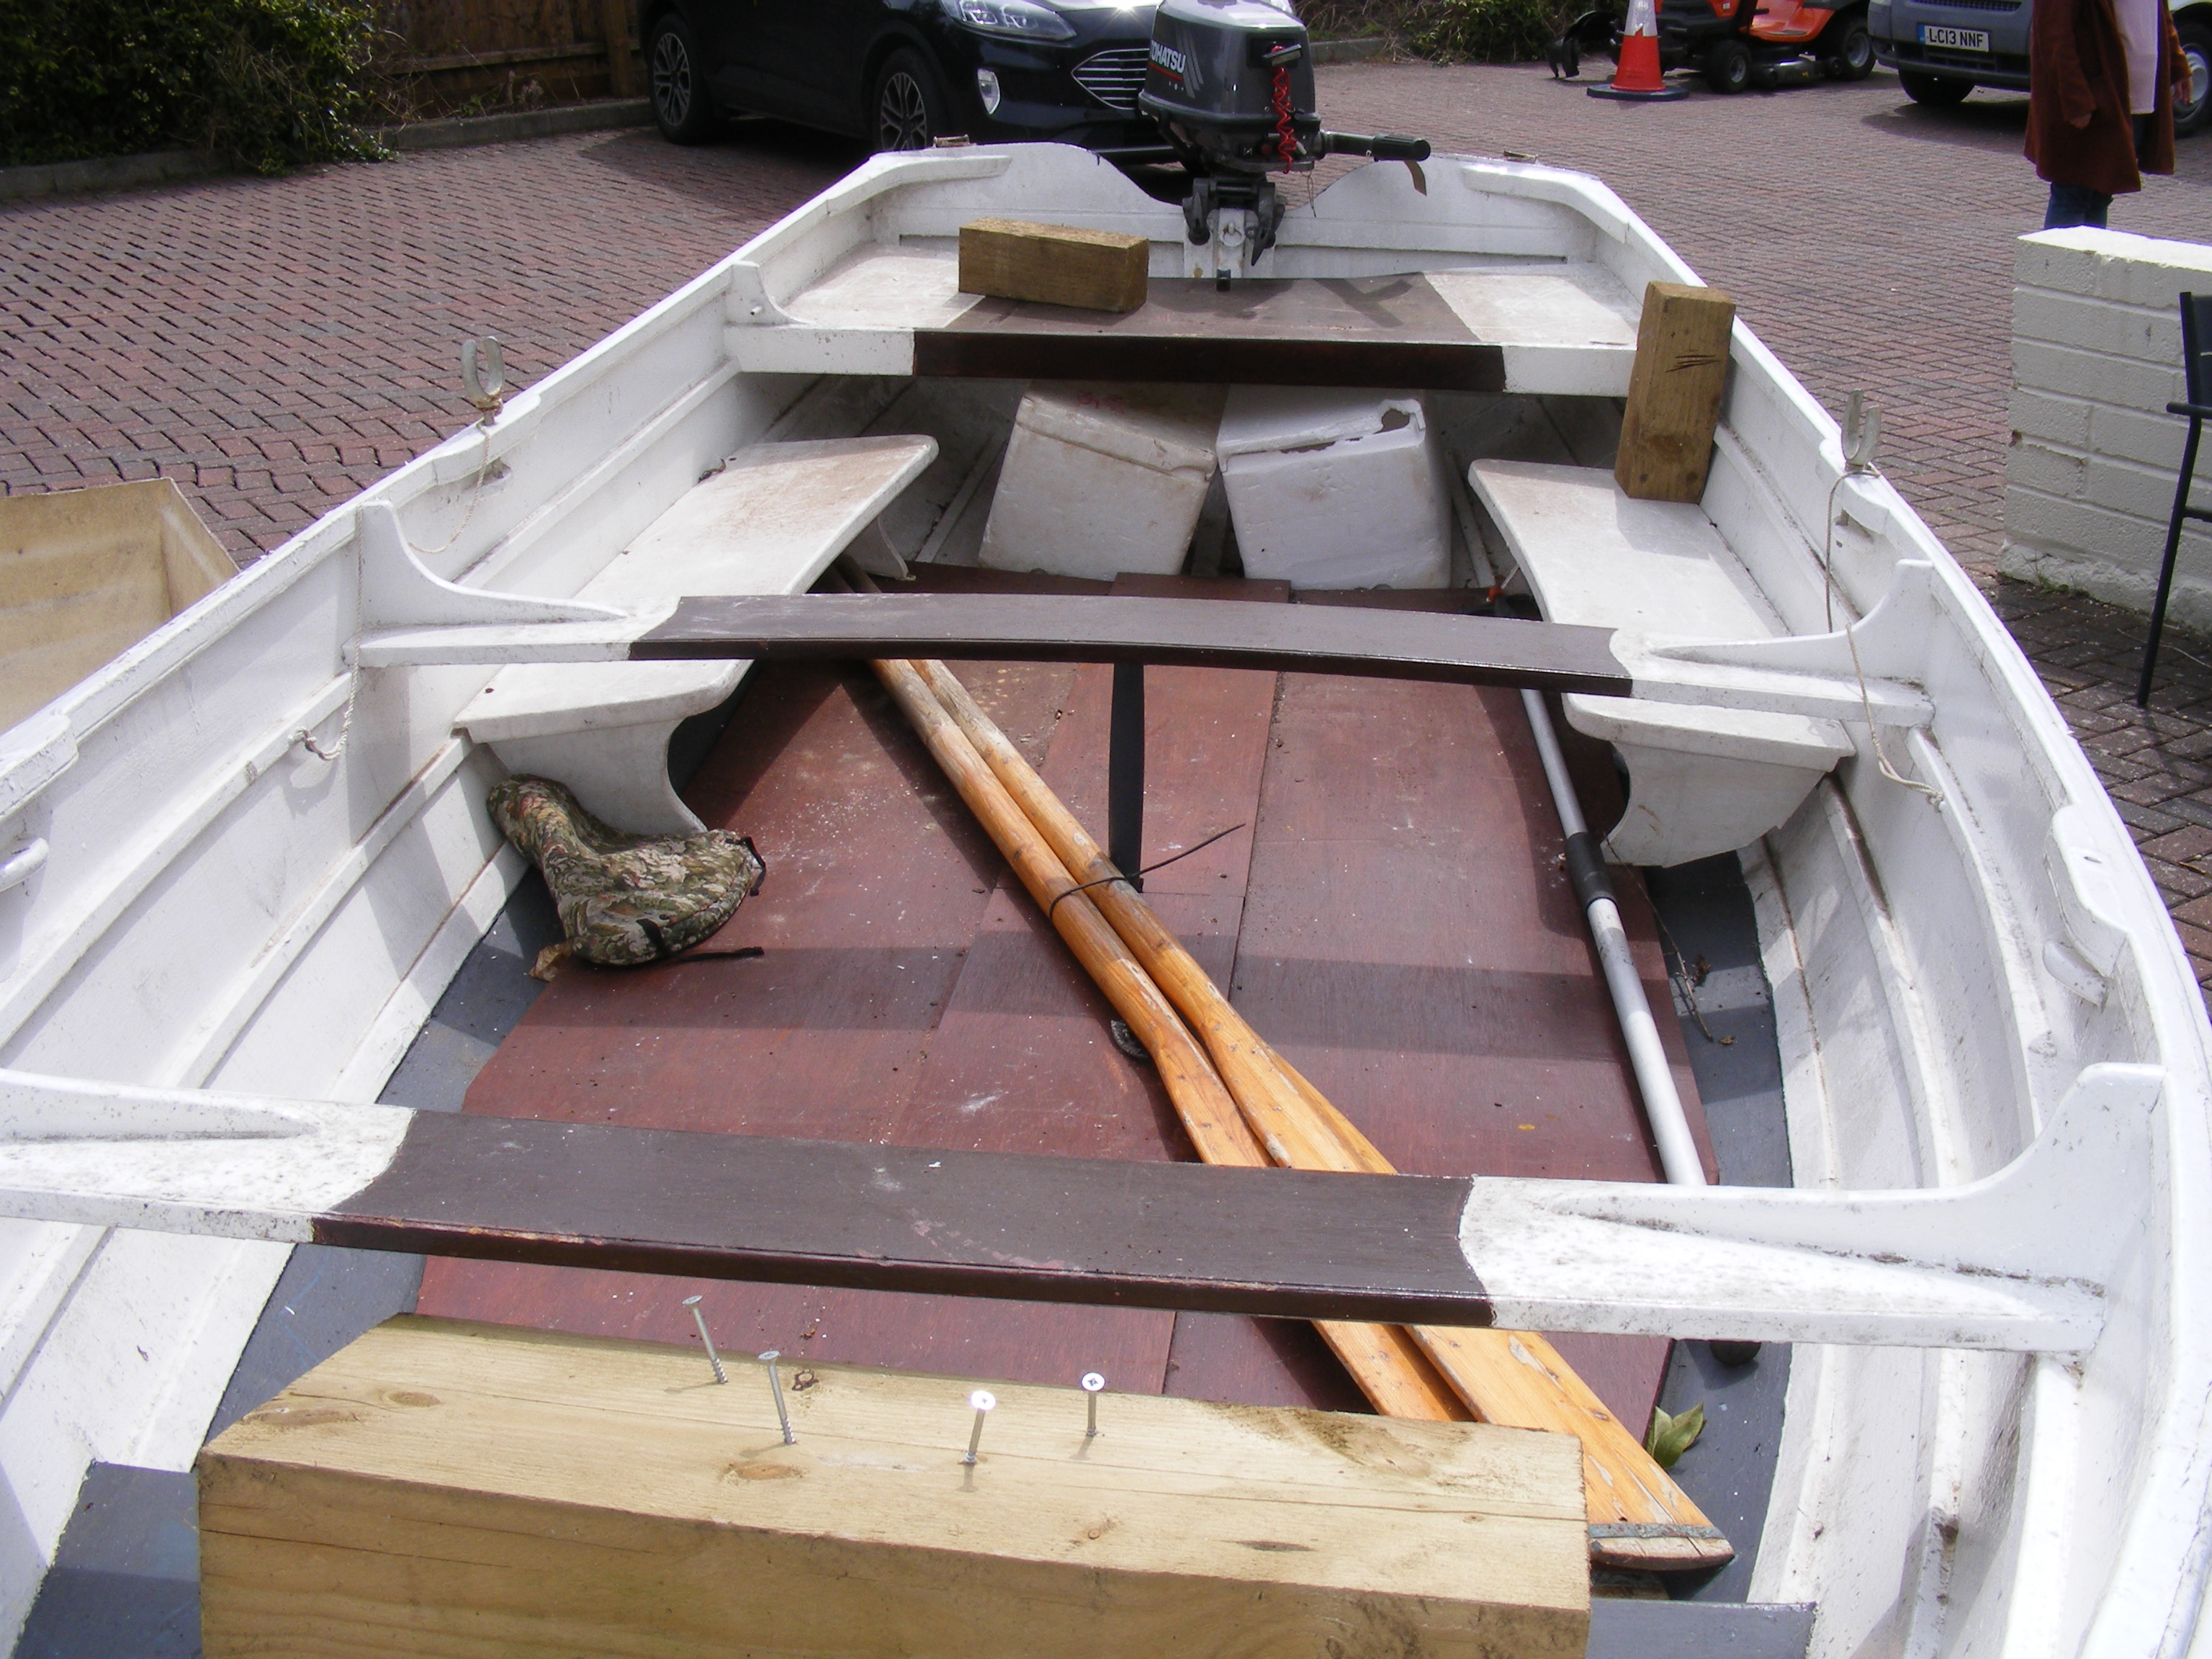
{"x": 2078, "y": 125}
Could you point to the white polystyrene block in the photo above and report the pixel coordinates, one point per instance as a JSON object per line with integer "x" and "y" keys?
{"x": 1332, "y": 487}
{"x": 1103, "y": 479}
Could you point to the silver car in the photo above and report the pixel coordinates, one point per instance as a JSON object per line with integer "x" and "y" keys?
{"x": 1941, "y": 50}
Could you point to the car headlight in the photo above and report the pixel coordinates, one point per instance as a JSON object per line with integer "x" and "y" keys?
{"x": 1019, "y": 20}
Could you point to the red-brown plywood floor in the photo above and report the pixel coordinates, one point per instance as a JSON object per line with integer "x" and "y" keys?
{"x": 1392, "y": 913}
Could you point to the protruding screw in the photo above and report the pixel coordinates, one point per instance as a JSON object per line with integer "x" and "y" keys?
{"x": 985, "y": 1403}
{"x": 713, "y": 1359}
{"x": 1092, "y": 1385}
{"x": 775, "y": 1387}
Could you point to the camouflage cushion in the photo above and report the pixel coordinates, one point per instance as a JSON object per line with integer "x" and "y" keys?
{"x": 625, "y": 899}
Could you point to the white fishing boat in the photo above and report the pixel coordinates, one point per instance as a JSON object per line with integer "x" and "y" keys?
{"x": 244, "y": 860}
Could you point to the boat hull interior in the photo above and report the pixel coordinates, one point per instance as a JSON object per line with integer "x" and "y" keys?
{"x": 1890, "y": 985}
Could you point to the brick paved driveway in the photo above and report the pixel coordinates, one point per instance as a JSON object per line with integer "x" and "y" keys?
{"x": 276, "y": 344}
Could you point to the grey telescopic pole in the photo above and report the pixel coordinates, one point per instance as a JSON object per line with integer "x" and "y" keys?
{"x": 1654, "y": 1079}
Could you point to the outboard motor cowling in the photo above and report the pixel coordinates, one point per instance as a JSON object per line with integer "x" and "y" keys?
{"x": 1232, "y": 84}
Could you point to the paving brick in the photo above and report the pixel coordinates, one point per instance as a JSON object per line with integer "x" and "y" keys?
{"x": 184, "y": 331}
{"x": 2179, "y": 881}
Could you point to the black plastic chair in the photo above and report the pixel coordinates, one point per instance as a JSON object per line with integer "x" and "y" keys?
{"x": 2196, "y": 370}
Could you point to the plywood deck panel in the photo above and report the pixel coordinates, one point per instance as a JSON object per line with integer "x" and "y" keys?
{"x": 877, "y": 879}
{"x": 1022, "y": 1060}
{"x": 1412, "y": 945}
{"x": 1416, "y": 953}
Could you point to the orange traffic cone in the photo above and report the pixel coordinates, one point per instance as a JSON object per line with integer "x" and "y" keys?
{"x": 1637, "y": 78}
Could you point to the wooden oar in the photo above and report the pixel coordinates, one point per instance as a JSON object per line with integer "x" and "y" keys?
{"x": 1389, "y": 1366}
{"x": 1640, "y": 1519}
{"x": 1208, "y": 1111}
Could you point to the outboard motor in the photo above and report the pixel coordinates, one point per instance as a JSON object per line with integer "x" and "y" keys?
{"x": 1231, "y": 83}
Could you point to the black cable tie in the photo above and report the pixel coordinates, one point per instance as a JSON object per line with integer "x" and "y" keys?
{"x": 1107, "y": 881}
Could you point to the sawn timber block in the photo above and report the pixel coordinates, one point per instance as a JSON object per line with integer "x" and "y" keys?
{"x": 442, "y": 1488}
{"x": 1674, "y": 392}
{"x": 1053, "y": 264}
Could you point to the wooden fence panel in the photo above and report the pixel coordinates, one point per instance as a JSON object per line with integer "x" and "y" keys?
{"x": 447, "y": 57}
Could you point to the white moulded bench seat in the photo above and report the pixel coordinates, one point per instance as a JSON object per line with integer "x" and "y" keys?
{"x": 769, "y": 522}
{"x": 1702, "y": 780}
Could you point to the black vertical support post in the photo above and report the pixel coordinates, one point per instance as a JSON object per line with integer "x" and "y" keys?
{"x": 1125, "y": 773}
{"x": 2182, "y": 512}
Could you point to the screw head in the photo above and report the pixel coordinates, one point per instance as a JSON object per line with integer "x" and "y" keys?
{"x": 693, "y": 1301}
{"x": 1092, "y": 1382}
{"x": 771, "y": 1355}
{"x": 983, "y": 1400}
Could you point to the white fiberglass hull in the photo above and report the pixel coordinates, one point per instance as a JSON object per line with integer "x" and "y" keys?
{"x": 220, "y": 908}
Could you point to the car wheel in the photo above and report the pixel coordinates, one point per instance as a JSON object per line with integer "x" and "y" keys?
{"x": 1728, "y": 67}
{"x": 681, "y": 107}
{"x": 909, "y": 106}
{"x": 2196, "y": 47}
{"x": 1849, "y": 56}
{"x": 1936, "y": 91}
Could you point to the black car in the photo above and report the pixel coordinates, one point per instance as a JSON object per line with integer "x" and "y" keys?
{"x": 902, "y": 73}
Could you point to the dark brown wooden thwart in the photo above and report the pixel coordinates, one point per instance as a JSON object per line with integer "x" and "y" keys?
{"x": 1304, "y": 330}
{"x": 1093, "y": 1230}
{"x": 1200, "y": 634}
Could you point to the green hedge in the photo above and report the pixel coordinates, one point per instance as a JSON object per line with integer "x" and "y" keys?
{"x": 1485, "y": 31}
{"x": 269, "y": 83}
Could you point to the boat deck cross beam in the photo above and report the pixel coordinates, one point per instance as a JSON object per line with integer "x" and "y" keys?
{"x": 410, "y": 618}
{"x": 2016, "y": 1261}
{"x": 1045, "y": 627}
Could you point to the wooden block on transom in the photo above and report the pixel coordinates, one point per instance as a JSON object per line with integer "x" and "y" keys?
{"x": 1053, "y": 264}
{"x": 446, "y": 1489}
{"x": 1674, "y": 392}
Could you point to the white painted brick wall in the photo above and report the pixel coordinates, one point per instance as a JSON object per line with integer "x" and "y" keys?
{"x": 2096, "y": 356}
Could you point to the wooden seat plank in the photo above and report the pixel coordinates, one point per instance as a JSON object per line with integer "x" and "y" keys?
{"x": 1230, "y": 634}
{"x": 1348, "y": 331}
{"x": 1097, "y": 1231}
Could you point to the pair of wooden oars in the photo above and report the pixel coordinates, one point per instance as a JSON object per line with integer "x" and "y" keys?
{"x": 1242, "y": 1104}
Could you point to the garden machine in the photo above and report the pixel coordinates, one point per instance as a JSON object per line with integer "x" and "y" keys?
{"x": 1736, "y": 44}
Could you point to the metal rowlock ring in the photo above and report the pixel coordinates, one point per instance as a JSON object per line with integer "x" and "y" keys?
{"x": 484, "y": 372}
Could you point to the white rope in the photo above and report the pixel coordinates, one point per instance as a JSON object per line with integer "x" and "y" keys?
{"x": 1856, "y": 467}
